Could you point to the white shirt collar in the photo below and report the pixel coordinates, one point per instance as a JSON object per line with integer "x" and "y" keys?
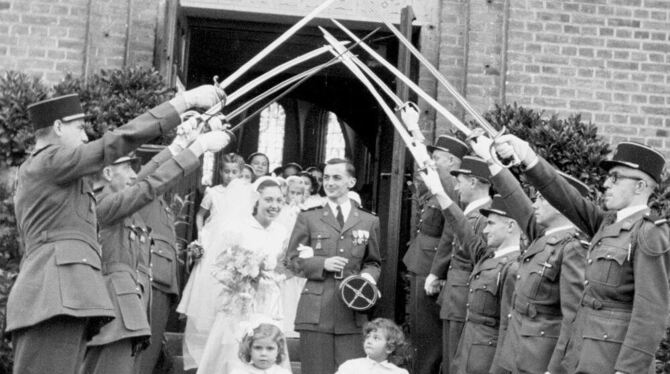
{"x": 384, "y": 364}
{"x": 558, "y": 229}
{"x": 346, "y": 208}
{"x": 505, "y": 251}
{"x": 476, "y": 204}
{"x": 629, "y": 211}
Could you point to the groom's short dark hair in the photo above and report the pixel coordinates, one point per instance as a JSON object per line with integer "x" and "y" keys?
{"x": 349, "y": 166}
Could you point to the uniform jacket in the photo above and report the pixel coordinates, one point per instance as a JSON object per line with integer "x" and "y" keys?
{"x": 126, "y": 247}
{"x": 625, "y": 303}
{"x": 454, "y": 294}
{"x": 548, "y": 288}
{"x": 55, "y": 210}
{"x": 320, "y": 307}
{"x": 159, "y": 217}
{"x": 429, "y": 225}
{"x": 491, "y": 284}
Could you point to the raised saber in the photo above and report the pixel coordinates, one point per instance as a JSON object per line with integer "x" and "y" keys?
{"x": 485, "y": 125}
{"x": 419, "y": 156}
{"x": 276, "y": 43}
{"x": 429, "y": 99}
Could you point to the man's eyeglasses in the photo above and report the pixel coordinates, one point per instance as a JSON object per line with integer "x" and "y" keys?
{"x": 615, "y": 177}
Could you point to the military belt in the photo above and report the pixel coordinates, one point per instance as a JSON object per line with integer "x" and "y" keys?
{"x": 482, "y": 320}
{"x": 52, "y": 236}
{"x": 114, "y": 267}
{"x": 530, "y": 309}
{"x": 595, "y": 304}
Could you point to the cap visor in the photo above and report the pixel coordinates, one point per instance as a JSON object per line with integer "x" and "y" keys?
{"x": 460, "y": 171}
{"x": 486, "y": 212}
{"x": 608, "y": 164}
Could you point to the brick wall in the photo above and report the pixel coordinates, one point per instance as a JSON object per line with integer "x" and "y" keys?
{"x": 48, "y": 38}
{"x": 606, "y": 59}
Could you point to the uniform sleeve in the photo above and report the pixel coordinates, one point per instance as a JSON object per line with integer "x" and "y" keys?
{"x": 519, "y": 205}
{"x": 442, "y": 256}
{"x": 586, "y": 215}
{"x": 154, "y": 163}
{"x": 571, "y": 287}
{"x": 650, "y": 302}
{"x": 134, "y": 198}
{"x": 465, "y": 233}
{"x": 311, "y": 268}
{"x": 508, "y": 280}
{"x": 372, "y": 261}
{"x": 65, "y": 164}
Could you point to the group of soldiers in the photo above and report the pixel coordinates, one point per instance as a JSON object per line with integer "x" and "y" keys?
{"x": 549, "y": 284}
{"x": 99, "y": 270}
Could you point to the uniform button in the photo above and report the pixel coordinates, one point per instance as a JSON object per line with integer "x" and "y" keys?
{"x": 84, "y": 260}
{"x": 306, "y": 289}
{"x": 137, "y": 288}
{"x": 518, "y": 276}
{"x": 467, "y": 305}
{"x": 417, "y": 231}
{"x": 341, "y": 237}
{"x": 467, "y": 283}
{"x": 609, "y": 256}
{"x": 471, "y": 290}
{"x": 420, "y": 220}
{"x": 490, "y": 342}
{"x": 604, "y": 336}
{"x": 509, "y": 316}
{"x": 341, "y": 250}
{"x": 586, "y": 283}
{"x": 477, "y": 276}
{"x": 598, "y": 243}
{"x": 484, "y": 287}
{"x": 449, "y": 267}
{"x": 541, "y": 333}
{"x": 590, "y": 261}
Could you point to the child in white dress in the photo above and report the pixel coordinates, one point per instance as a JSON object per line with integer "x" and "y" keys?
{"x": 384, "y": 342}
{"x": 262, "y": 351}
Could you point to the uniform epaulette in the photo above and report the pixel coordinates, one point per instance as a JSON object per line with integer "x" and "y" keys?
{"x": 367, "y": 211}
{"x": 312, "y": 208}
{"x": 657, "y": 219}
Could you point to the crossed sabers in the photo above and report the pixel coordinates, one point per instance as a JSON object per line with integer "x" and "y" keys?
{"x": 407, "y": 125}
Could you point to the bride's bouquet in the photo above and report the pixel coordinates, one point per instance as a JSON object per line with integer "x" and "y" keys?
{"x": 244, "y": 273}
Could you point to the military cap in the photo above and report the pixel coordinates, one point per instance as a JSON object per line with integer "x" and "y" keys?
{"x": 122, "y": 160}
{"x": 450, "y": 144}
{"x": 497, "y": 207}
{"x": 66, "y": 108}
{"x": 473, "y": 166}
{"x": 581, "y": 187}
{"x": 637, "y": 156}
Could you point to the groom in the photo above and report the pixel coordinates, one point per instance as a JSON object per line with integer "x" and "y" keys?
{"x": 324, "y": 250}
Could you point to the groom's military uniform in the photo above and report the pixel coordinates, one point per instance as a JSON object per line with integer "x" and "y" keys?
{"x": 330, "y": 331}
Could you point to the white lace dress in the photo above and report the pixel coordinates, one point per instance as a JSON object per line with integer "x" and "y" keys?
{"x": 220, "y": 355}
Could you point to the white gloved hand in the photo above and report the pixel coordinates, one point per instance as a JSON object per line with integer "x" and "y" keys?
{"x": 205, "y": 96}
{"x": 212, "y": 141}
{"x": 432, "y": 181}
{"x": 410, "y": 116}
{"x": 369, "y": 278}
{"x": 187, "y": 132}
{"x": 431, "y": 285}
{"x": 481, "y": 145}
{"x": 305, "y": 251}
{"x": 508, "y": 145}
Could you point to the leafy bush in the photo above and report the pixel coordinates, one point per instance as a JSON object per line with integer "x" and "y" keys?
{"x": 112, "y": 98}
{"x": 570, "y": 144}
{"x": 17, "y": 91}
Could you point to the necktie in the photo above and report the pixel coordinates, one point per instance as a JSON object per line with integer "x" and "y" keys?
{"x": 340, "y": 216}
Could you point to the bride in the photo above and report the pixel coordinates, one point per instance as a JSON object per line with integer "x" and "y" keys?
{"x": 238, "y": 311}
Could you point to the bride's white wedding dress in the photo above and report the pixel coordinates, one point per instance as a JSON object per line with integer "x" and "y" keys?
{"x": 220, "y": 355}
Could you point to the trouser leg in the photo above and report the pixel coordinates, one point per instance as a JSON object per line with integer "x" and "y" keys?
{"x": 317, "y": 353}
{"x": 161, "y": 305}
{"x": 112, "y": 358}
{"x": 425, "y": 328}
{"x": 348, "y": 346}
{"x": 56, "y": 345}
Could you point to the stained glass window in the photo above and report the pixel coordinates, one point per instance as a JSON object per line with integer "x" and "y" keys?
{"x": 271, "y": 134}
{"x": 335, "y": 145}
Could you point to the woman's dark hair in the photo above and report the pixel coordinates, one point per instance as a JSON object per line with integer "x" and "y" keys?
{"x": 261, "y": 186}
{"x": 315, "y": 185}
{"x": 263, "y": 331}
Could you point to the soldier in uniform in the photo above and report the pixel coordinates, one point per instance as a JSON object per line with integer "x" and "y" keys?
{"x": 456, "y": 265}
{"x": 125, "y": 242}
{"x": 424, "y": 312}
{"x": 549, "y": 281}
{"x": 491, "y": 282}
{"x": 164, "y": 263}
{"x": 329, "y": 243}
{"x": 60, "y": 281}
{"x": 625, "y": 303}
